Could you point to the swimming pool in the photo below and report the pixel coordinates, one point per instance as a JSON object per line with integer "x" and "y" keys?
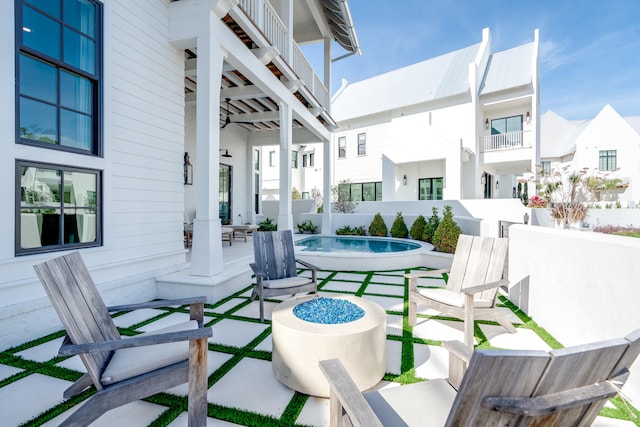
{"x": 362, "y": 253}
{"x": 374, "y": 245}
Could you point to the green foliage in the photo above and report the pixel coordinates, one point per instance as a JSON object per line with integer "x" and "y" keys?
{"x": 307, "y": 227}
{"x": 341, "y": 197}
{"x": 431, "y": 226}
{"x": 525, "y": 194}
{"x": 295, "y": 194}
{"x": 378, "y": 227}
{"x": 348, "y": 231}
{"x": 399, "y": 228}
{"x": 267, "y": 225}
{"x": 417, "y": 228}
{"x": 445, "y": 239}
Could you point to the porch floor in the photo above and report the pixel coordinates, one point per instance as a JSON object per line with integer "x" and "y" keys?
{"x": 243, "y": 389}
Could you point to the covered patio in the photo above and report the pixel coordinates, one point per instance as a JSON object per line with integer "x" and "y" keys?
{"x": 242, "y": 387}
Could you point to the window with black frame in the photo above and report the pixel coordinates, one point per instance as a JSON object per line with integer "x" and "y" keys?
{"x": 59, "y": 72}
{"x": 608, "y": 160}
{"x": 58, "y": 207}
{"x": 430, "y": 188}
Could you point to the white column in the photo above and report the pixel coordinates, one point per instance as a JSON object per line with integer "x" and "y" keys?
{"x": 327, "y": 69}
{"x": 326, "y": 188}
{"x": 285, "y": 215}
{"x": 206, "y": 254}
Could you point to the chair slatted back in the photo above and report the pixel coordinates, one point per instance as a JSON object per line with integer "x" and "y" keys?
{"x": 80, "y": 307}
{"x": 478, "y": 260}
{"x": 274, "y": 253}
{"x": 535, "y": 373}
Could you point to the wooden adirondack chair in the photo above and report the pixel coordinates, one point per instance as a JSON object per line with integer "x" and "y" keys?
{"x": 472, "y": 289}
{"x": 275, "y": 267}
{"x": 566, "y": 387}
{"x": 124, "y": 370}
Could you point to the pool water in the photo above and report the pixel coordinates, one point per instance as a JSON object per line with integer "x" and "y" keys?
{"x": 354, "y": 244}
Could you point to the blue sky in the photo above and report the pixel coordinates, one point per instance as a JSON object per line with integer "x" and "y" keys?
{"x": 589, "y": 51}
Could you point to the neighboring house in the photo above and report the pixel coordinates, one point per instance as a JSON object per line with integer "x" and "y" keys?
{"x": 109, "y": 109}
{"x": 607, "y": 146}
{"x": 462, "y": 125}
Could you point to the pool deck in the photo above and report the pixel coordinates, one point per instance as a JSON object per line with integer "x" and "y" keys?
{"x": 242, "y": 387}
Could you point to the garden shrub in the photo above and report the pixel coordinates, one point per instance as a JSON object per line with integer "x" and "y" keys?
{"x": 267, "y": 225}
{"x": 378, "y": 227}
{"x": 399, "y": 228}
{"x": 348, "y": 231}
{"x": 417, "y": 228}
{"x": 431, "y": 226}
{"x": 445, "y": 239}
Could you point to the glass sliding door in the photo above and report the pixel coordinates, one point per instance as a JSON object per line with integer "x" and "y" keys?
{"x": 430, "y": 188}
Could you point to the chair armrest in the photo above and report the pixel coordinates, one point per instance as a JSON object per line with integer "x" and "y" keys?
{"x": 554, "y": 402}
{"x": 143, "y": 340}
{"x": 158, "y": 303}
{"x": 257, "y": 270}
{"x": 479, "y": 288}
{"x": 430, "y": 273}
{"x": 344, "y": 394}
{"x": 307, "y": 265}
{"x": 459, "y": 350}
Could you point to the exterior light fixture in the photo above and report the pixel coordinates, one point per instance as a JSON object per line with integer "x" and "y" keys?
{"x": 404, "y": 180}
{"x": 188, "y": 170}
{"x": 226, "y": 153}
{"x": 528, "y": 118}
{"x": 486, "y": 123}
{"x": 497, "y": 184}
{"x": 483, "y": 179}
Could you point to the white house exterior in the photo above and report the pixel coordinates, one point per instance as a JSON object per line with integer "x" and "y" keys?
{"x": 459, "y": 126}
{"x": 101, "y": 103}
{"x": 606, "y": 146}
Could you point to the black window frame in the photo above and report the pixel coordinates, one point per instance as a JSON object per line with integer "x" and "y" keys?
{"x": 359, "y": 189}
{"x": 294, "y": 159}
{"x": 19, "y": 250}
{"x": 312, "y": 160}
{"x": 97, "y": 149}
{"x": 610, "y": 159}
{"x": 305, "y": 161}
{"x": 495, "y": 131}
{"x": 431, "y": 180}
{"x": 362, "y": 144}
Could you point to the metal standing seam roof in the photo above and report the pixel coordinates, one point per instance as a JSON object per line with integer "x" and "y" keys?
{"x": 508, "y": 69}
{"x": 436, "y": 78}
{"x": 339, "y": 19}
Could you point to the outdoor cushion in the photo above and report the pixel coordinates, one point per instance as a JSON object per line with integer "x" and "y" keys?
{"x": 286, "y": 282}
{"x": 130, "y": 362}
{"x": 421, "y": 404}
{"x": 448, "y": 297}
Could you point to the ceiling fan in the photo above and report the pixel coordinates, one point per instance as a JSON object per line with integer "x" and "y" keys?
{"x": 227, "y": 120}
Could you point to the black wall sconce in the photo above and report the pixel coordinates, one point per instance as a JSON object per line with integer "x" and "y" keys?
{"x": 497, "y": 184}
{"x": 483, "y": 179}
{"x": 486, "y": 123}
{"x": 404, "y": 180}
{"x": 528, "y": 118}
{"x": 188, "y": 170}
{"x": 226, "y": 153}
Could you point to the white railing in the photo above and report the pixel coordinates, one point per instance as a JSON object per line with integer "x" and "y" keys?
{"x": 503, "y": 141}
{"x": 267, "y": 20}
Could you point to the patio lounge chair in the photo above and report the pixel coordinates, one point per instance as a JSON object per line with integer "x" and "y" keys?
{"x": 124, "y": 370}
{"x": 472, "y": 288}
{"x": 566, "y": 387}
{"x": 275, "y": 267}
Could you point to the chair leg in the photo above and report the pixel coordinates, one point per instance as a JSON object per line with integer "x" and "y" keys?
{"x": 468, "y": 320}
{"x": 413, "y": 306}
{"x": 261, "y": 297}
{"x": 78, "y": 386}
{"x": 197, "y": 404}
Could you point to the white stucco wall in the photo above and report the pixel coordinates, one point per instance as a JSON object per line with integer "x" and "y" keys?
{"x": 580, "y": 287}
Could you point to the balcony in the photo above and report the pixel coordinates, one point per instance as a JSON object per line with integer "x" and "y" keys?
{"x": 505, "y": 141}
{"x": 266, "y": 19}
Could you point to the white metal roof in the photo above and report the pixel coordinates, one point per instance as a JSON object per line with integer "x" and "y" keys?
{"x": 429, "y": 80}
{"x": 508, "y": 69}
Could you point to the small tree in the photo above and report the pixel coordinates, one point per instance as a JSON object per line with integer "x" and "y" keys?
{"x": 341, "y": 197}
{"x": 417, "y": 228}
{"x": 317, "y": 196}
{"x": 295, "y": 194}
{"x": 399, "y": 228}
{"x": 431, "y": 226}
{"x": 446, "y": 236}
{"x": 378, "y": 227}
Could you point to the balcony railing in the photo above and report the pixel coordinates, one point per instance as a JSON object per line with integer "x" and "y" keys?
{"x": 504, "y": 141}
{"x": 267, "y": 20}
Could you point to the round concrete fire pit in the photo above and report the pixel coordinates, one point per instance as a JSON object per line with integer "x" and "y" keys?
{"x": 298, "y": 346}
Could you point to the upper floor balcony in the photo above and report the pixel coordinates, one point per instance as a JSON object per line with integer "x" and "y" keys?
{"x": 506, "y": 141}
{"x": 266, "y": 19}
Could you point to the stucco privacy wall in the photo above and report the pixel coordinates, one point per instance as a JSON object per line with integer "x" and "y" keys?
{"x": 580, "y": 287}
{"x": 143, "y": 113}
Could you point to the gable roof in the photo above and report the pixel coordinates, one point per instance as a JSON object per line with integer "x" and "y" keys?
{"x": 436, "y": 78}
{"x": 508, "y": 69}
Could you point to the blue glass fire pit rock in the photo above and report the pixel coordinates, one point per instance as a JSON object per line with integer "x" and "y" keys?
{"x": 328, "y": 311}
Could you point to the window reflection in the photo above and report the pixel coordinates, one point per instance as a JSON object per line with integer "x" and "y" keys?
{"x": 43, "y": 34}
